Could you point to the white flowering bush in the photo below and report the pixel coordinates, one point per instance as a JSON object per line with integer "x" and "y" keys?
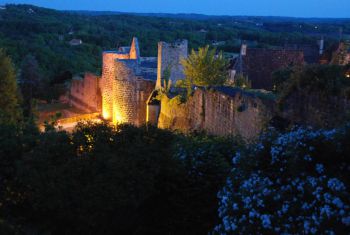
{"x": 291, "y": 183}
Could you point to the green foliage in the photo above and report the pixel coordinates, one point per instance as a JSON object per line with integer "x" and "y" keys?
{"x": 280, "y": 79}
{"x": 205, "y": 68}
{"x": 242, "y": 82}
{"x": 45, "y": 34}
{"x": 30, "y": 83}
{"x": 51, "y": 124}
{"x": 166, "y": 79}
{"x": 326, "y": 80}
{"x": 102, "y": 179}
{"x": 314, "y": 95}
{"x": 10, "y": 112}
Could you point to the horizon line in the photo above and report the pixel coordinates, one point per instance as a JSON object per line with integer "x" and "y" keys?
{"x": 179, "y": 13}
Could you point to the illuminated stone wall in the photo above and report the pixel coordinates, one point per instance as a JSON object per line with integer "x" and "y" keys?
{"x": 124, "y": 108}
{"x": 108, "y": 84}
{"x": 85, "y": 93}
{"x": 124, "y": 93}
{"x": 217, "y": 113}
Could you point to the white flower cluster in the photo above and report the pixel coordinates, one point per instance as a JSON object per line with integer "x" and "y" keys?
{"x": 280, "y": 187}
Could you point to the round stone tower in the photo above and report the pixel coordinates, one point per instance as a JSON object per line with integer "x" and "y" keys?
{"x": 118, "y": 84}
{"x": 107, "y": 83}
{"x": 124, "y": 103}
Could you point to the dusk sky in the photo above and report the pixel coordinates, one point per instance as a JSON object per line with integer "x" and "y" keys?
{"x": 298, "y": 8}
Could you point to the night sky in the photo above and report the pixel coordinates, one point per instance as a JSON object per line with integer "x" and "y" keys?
{"x": 297, "y": 8}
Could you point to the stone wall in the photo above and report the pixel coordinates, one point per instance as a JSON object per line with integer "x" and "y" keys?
{"x": 218, "y": 112}
{"x": 175, "y": 115}
{"x": 143, "y": 90}
{"x": 107, "y": 83}
{"x": 170, "y": 55}
{"x": 85, "y": 93}
{"x": 124, "y": 102}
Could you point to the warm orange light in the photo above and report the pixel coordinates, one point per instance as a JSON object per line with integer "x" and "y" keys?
{"x": 105, "y": 114}
{"x": 117, "y": 117}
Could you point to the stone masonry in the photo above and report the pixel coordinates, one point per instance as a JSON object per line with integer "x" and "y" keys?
{"x": 128, "y": 93}
{"x": 124, "y": 84}
{"x": 169, "y": 57}
{"x": 85, "y": 93}
{"x": 218, "y": 111}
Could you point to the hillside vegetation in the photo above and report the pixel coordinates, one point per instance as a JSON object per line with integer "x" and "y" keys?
{"x": 45, "y": 33}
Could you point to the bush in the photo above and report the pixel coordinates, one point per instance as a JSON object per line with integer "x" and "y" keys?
{"x": 292, "y": 183}
{"x": 102, "y": 179}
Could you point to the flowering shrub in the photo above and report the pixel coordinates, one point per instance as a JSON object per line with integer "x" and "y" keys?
{"x": 292, "y": 183}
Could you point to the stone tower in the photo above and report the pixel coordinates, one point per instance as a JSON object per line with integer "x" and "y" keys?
{"x": 118, "y": 83}
{"x": 169, "y": 57}
{"x": 124, "y": 91}
{"x": 107, "y": 83}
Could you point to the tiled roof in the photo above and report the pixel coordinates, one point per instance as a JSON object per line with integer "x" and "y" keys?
{"x": 311, "y": 51}
{"x": 259, "y": 64}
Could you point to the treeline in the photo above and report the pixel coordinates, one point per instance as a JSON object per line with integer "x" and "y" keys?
{"x": 45, "y": 34}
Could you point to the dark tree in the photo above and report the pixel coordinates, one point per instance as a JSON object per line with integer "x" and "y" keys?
{"x": 29, "y": 82}
{"x": 9, "y": 101}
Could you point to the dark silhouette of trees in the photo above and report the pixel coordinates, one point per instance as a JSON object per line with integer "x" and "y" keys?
{"x": 30, "y": 83}
{"x": 10, "y": 112}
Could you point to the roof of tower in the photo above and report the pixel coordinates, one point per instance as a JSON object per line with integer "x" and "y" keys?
{"x": 135, "y": 49}
{"x": 124, "y": 50}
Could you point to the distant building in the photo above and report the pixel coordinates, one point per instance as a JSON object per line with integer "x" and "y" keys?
{"x": 258, "y": 64}
{"x": 75, "y": 42}
{"x": 312, "y": 52}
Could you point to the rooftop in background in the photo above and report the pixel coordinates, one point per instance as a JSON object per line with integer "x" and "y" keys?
{"x": 258, "y": 64}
